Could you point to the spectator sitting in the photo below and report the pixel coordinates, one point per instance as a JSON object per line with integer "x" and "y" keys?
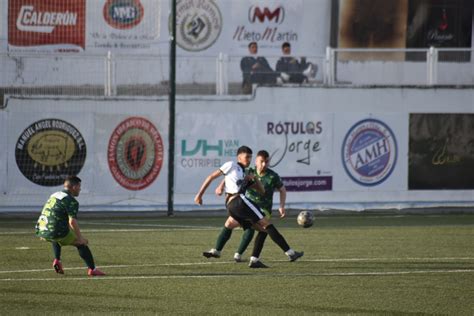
{"x": 298, "y": 71}
{"x": 255, "y": 69}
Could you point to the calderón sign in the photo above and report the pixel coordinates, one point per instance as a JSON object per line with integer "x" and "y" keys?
{"x": 56, "y": 23}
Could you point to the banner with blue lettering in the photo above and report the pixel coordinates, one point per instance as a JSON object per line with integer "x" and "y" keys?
{"x": 370, "y": 151}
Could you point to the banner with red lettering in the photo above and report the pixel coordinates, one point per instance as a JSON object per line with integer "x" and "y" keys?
{"x": 52, "y": 25}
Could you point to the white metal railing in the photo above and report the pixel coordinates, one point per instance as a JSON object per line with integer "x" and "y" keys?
{"x": 81, "y": 73}
{"x": 409, "y": 64}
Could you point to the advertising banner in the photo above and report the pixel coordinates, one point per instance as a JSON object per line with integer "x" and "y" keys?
{"x": 122, "y": 25}
{"x": 369, "y": 151}
{"x": 440, "y": 24}
{"x": 45, "y": 148}
{"x": 130, "y": 154}
{"x": 215, "y": 26}
{"x": 118, "y": 150}
{"x": 206, "y": 141}
{"x": 300, "y": 147}
{"x": 441, "y": 155}
{"x": 38, "y": 25}
{"x": 376, "y": 156}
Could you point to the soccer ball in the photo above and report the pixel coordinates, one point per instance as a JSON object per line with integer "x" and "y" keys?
{"x": 305, "y": 219}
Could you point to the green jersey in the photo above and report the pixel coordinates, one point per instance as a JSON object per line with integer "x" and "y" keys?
{"x": 54, "y": 219}
{"x": 271, "y": 181}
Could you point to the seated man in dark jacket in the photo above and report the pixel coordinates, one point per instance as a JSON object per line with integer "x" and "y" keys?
{"x": 255, "y": 69}
{"x": 299, "y": 71}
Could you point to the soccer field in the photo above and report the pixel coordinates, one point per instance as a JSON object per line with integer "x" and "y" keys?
{"x": 353, "y": 264}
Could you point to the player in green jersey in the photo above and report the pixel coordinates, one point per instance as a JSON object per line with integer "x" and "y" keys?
{"x": 271, "y": 181}
{"x": 58, "y": 225}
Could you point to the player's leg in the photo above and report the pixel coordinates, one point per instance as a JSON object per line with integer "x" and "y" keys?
{"x": 222, "y": 239}
{"x": 57, "y": 266}
{"x": 279, "y": 239}
{"x": 244, "y": 243}
{"x": 84, "y": 252}
{"x": 247, "y": 238}
{"x": 258, "y": 244}
{"x": 57, "y": 244}
{"x": 251, "y": 212}
{"x": 86, "y": 255}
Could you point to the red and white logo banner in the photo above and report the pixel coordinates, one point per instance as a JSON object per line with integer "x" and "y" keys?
{"x": 46, "y": 24}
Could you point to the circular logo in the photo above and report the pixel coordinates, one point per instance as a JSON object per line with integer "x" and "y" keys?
{"x": 123, "y": 14}
{"x": 135, "y": 153}
{"x": 369, "y": 152}
{"x": 198, "y": 24}
{"x": 50, "y": 150}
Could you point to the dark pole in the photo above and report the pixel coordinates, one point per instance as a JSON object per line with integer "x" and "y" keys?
{"x": 172, "y": 108}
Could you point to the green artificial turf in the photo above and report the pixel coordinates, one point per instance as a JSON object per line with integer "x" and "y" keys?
{"x": 365, "y": 264}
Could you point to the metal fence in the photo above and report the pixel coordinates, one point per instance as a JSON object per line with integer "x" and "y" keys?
{"x": 120, "y": 74}
{"x": 433, "y": 66}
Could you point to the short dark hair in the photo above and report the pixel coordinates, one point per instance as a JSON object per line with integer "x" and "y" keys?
{"x": 251, "y": 43}
{"x": 285, "y": 44}
{"x": 73, "y": 180}
{"x": 244, "y": 150}
{"x": 264, "y": 154}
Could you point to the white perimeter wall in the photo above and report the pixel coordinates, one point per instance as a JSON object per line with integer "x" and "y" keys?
{"x": 209, "y": 130}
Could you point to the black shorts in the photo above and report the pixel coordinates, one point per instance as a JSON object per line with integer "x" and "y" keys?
{"x": 244, "y": 211}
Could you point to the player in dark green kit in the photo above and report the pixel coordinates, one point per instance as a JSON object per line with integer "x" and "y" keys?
{"x": 271, "y": 181}
{"x": 58, "y": 225}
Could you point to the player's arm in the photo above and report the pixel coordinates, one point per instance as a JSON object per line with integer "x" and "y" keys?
{"x": 75, "y": 227}
{"x": 220, "y": 188}
{"x": 281, "y": 209}
{"x": 214, "y": 175}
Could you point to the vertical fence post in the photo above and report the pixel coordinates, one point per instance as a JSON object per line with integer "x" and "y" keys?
{"x": 326, "y": 67}
{"x": 222, "y": 84}
{"x": 435, "y": 65}
{"x": 225, "y": 74}
{"x": 107, "y": 90}
{"x": 330, "y": 67}
{"x": 432, "y": 64}
{"x": 113, "y": 85}
{"x": 219, "y": 74}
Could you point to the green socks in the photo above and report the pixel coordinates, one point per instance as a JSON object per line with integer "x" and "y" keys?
{"x": 223, "y": 238}
{"x": 246, "y": 239}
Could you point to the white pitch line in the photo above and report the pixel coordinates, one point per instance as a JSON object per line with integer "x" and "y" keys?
{"x": 232, "y": 262}
{"x": 381, "y": 259}
{"x": 149, "y": 225}
{"x": 124, "y": 266}
{"x": 124, "y": 230}
{"x": 248, "y": 274}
